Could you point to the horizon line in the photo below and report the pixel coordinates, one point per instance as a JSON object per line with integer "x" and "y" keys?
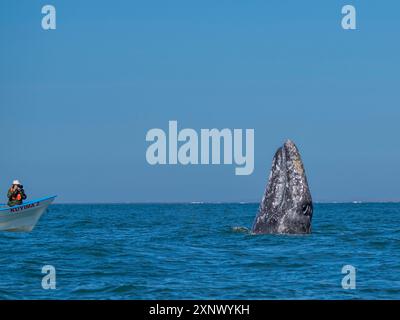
{"x": 222, "y": 202}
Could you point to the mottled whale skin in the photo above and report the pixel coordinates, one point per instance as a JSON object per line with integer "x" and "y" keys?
{"x": 286, "y": 207}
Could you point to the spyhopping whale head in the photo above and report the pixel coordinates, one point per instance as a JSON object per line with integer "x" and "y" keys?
{"x": 286, "y": 207}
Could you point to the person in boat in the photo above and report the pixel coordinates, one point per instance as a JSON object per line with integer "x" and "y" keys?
{"x": 16, "y": 194}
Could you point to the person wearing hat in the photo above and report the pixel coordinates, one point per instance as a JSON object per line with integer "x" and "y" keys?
{"x": 16, "y": 194}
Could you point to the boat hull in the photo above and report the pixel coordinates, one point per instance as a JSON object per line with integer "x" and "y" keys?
{"x": 23, "y": 218}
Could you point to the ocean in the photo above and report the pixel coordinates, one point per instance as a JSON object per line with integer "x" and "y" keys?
{"x": 202, "y": 251}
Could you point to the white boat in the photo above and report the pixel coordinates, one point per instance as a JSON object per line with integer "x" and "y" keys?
{"x": 23, "y": 217}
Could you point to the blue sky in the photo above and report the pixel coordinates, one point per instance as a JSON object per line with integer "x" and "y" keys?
{"x": 76, "y": 103}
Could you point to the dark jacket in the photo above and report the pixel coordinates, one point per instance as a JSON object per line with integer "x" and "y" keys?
{"x": 16, "y": 197}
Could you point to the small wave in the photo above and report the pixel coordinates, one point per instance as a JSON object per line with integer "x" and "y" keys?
{"x": 240, "y": 229}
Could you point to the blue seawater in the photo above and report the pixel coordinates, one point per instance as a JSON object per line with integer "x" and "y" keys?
{"x": 201, "y": 251}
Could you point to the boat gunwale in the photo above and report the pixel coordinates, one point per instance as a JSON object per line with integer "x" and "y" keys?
{"x": 28, "y": 203}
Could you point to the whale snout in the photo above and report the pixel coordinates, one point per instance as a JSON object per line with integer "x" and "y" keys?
{"x": 287, "y": 204}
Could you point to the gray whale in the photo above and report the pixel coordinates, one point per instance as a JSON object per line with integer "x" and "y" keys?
{"x": 286, "y": 207}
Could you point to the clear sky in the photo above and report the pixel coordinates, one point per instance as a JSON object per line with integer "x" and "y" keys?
{"x": 76, "y": 103}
